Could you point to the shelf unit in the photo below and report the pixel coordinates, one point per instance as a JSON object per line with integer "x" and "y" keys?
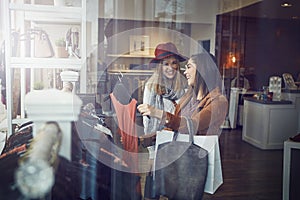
{"x": 137, "y": 74}
{"x": 21, "y": 16}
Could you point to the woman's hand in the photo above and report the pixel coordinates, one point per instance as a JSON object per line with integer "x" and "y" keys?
{"x": 147, "y": 110}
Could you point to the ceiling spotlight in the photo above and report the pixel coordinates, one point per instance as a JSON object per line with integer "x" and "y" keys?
{"x": 286, "y": 5}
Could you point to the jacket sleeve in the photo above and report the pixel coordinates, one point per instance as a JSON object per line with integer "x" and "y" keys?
{"x": 206, "y": 120}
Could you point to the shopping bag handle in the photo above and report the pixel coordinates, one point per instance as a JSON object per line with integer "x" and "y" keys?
{"x": 189, "y": 124}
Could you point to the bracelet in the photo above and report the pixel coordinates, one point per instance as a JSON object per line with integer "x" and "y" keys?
{"x": 167, "y": 118}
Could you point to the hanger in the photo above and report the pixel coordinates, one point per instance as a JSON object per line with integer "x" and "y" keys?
{"x": 120, "y": 76}
{"x": 120, "y": 91}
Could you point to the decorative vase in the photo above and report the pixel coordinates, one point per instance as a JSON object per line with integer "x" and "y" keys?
{"x": 61, "y": 52}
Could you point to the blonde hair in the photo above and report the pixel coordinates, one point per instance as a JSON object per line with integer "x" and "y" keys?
{"x": 156, "y": 81}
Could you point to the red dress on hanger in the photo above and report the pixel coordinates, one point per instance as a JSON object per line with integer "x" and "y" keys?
{"x": 126, "y": 115}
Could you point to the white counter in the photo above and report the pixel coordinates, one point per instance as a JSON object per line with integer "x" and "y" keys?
{"x": 235, "y": 112}
{"x": 268, "y": 124}
{"x": 294, "y": 96}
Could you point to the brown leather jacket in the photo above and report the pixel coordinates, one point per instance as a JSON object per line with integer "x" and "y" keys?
{"x": 207, "y": 118}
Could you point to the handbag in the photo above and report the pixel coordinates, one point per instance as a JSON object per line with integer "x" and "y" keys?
{"x": 42, "y": 45}
{"x": 180, "y": 168}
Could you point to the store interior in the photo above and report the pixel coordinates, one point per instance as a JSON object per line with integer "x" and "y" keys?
{"x": 60, "y": 61}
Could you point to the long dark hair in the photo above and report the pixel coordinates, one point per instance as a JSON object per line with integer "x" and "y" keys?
{"x": 207, "y": 73}
{"x": 207, "y": 77}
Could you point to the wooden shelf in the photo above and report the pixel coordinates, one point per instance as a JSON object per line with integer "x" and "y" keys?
{"x": 62, "y": 63}
{"x": 46, "y": 9}
{"x": 130, "y": 56}
{"x": 130, "y": 72}
{"x": 58, "y": 18}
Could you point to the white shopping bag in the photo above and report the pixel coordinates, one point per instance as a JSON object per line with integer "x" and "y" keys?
{"x": 211, "y": 144}
{"x": 214, "y": 175}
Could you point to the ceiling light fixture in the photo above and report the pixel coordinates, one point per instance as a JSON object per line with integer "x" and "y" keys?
{"x": 286, "y": 5}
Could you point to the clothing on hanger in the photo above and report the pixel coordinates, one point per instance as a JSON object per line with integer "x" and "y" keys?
{"x": 126, "y": 116}
{"x": 121, "y": 93}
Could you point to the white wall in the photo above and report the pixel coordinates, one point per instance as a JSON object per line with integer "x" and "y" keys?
{"x": 197, "y": 11}
{"x": 204, "y": 32}
{"x": 200, "y": 13}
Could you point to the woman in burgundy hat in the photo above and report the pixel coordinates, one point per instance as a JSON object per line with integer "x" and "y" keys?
{"x": 203, "y": 103}
{"x": 165, "y": 87}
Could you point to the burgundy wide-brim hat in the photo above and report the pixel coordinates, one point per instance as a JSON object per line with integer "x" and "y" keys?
{"x": 165, "y": 50}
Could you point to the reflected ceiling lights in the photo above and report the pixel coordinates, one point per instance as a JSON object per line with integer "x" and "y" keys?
{"x": 286, "y": 4}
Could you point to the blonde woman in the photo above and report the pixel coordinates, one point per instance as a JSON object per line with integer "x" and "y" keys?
{"x": 165, "y": 87}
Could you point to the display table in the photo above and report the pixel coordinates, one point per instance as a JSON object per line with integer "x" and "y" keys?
{"x": 291, "y": 174}
{"x": 267, "y": 124}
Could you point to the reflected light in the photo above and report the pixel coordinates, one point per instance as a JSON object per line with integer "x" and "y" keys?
{"x": 286, "y": 4}
{"x": 233, "y": 59}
